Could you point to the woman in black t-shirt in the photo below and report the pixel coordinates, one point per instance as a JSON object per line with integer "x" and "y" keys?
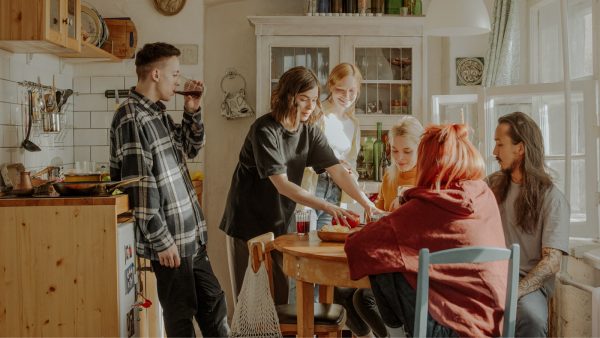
{"x": 266, "y": 183}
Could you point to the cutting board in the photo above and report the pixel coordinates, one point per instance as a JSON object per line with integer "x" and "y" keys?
{"x": 122, "y": 37}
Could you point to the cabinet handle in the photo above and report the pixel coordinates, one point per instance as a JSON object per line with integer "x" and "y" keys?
{"x": 68, "y": 21}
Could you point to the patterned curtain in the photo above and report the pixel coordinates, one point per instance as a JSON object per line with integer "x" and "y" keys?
{"x": 502, "y": 61}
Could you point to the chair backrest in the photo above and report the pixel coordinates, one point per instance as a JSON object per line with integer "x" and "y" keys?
{"x": 260, "y": 248}
{"x": 468, "y": 255}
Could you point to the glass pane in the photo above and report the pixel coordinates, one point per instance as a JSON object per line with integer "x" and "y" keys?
{"x": 372, "y": 106}
{"x": 54, "y": 15}
{"x": 400, "y": 99}
{"x": 548, "y": 48}
{"x": 464, "y": 113}
{"x": 384, "y": 98}
{"x": 580, "y": 38}
{"x": 577, "y": 198}
{"x": 71, "y": 17}
{"x": 285, "y": 58}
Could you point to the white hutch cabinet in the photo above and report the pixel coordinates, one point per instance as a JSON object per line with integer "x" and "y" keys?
{"x": 387, "y": 50}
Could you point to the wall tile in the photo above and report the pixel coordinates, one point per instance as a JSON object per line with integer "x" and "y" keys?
{"x": 82, "y": 84}
{"x": 9, "y": 136}
{"x": 90, "y": 102}
{"x": 90, "y": 137}
{"x": 170, "y": 104}
{"x": 102, "y": 83}
{"x": 5, "y": 113}
{"x": 130, "y": 81}
{"x": 100, "y": 154}
{"x": 8, "y": 91}
{"x": 5, "y": 156}
{"x": 101, "y": 119}
{"x": 16, "y": 115}
{"x": 81, "y": 153}
{"x": 81, "y": 119}
{"x": 4, "y": 66}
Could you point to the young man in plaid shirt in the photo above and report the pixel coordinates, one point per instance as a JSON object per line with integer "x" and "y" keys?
{"x": 170, "y": 227}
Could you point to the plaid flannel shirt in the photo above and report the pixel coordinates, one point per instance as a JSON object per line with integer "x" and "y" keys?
{"x": 144, "y": 141}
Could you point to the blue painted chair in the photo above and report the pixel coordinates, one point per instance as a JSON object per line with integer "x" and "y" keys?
{"x": 468, "y": 255}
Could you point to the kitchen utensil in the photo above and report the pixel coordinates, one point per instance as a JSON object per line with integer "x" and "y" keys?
{"x": 25, "y": 187}
{"x": 91, "y": 188}
{"x": 51, "y": 122}
{"x": 64, "y": 97}
{"x": 27, "y": 144}
{"x": 87, "y": 177}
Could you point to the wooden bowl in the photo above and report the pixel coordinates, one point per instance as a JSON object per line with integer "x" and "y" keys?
{"x": 334, "y": 236}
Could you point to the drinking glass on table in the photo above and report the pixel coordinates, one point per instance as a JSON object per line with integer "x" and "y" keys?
{"x": 302, "y": 222}
{"x": 187, "y": 86}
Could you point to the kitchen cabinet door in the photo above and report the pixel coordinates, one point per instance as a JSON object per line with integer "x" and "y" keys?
{"x": 277, "y": 54}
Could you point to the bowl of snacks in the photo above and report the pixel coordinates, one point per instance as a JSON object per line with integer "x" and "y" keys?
{"x": 335, "y": 233}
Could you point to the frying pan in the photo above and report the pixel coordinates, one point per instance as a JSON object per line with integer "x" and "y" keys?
{"x": 92, "y": 188}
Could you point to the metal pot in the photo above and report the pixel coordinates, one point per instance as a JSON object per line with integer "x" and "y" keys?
{"x": 91, "y": 188}
{"x": 51, "y": 122}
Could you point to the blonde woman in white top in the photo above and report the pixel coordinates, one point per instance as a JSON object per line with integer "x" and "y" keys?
{"x": 340, "y": 126}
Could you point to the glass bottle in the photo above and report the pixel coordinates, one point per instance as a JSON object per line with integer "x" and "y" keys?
{"x": 418, "y": 7}
{"x": 377, "y": 155}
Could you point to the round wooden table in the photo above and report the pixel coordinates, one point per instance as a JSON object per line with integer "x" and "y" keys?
{"x": 311, "y": 261}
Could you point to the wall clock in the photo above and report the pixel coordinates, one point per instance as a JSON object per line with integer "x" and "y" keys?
{"x": 169, "y": 7}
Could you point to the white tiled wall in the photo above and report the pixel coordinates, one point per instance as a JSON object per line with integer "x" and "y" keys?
{"x": 93, "y": 114}
{"x": 57, "y": 149}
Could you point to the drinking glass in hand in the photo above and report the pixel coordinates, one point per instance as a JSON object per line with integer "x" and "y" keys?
{"x": 187, "y": 86}
{"x": 302, "y": 221}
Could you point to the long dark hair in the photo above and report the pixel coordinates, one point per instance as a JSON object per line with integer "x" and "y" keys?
{"x": 293, "y": 82}
{"x": 536, "y": 180}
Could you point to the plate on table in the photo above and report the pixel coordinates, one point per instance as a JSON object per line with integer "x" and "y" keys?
{"x": 336, "y": 236}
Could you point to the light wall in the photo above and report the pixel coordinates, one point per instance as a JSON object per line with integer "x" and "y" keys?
{"x": 229, "y": 42}
{"x": 93, "y": 111}
{"x": 56, "y": 148}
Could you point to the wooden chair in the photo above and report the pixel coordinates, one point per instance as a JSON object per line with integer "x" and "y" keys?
{"x": 468, "y": 255}
{"x": 329, "y": 318}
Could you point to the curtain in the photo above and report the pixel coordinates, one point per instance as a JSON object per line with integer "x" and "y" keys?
{"x": 502, "y": 61}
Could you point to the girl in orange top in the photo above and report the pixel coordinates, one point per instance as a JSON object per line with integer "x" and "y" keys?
{"x": 404, "y": 140}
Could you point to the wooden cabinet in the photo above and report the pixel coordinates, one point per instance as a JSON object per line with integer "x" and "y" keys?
{"x": 388, "y": 51}
{"x": 47, "y": 26}
{"x": 40, "y": 26}
{"x": 67, "y": 267}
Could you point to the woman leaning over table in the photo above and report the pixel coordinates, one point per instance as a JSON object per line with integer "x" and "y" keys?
{"x": 265, "y": 185}
{"x": 450, "y": 207}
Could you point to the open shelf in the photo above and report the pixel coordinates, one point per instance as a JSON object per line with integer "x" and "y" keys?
{"x": 89, "y": 53}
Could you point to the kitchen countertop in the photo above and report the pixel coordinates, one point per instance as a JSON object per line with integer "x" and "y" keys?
{"x": 121, "y": 201}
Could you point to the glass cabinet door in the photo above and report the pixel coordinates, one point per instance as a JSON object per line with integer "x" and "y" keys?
{"x": 314, "y": 58}
{"x": 53, "y": 10}
{"x": 277, "y": 54}
{"x": 391, "y": 70}
{"x": 71, "y": 17}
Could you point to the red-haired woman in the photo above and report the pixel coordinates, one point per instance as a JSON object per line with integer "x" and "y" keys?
{"x": 451, "y": 206}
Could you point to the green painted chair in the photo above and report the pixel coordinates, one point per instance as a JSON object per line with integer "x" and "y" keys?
{"x": 468, "y": 255}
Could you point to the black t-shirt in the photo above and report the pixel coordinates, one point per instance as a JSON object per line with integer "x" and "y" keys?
{"x": 254, "y": 206}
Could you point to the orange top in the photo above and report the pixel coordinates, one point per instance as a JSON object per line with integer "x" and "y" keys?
{"x": 389, "y": 187}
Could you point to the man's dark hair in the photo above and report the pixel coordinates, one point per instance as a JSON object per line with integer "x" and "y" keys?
{"x": 151, "y": 53}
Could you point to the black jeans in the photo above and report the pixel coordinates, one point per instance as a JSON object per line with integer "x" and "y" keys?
{"x": 362, "y": 315}
{"x": 191, "y": 290}
{"x": 396, "y": 301}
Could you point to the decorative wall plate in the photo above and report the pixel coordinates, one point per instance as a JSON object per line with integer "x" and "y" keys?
{"x": 469, "y": 71}
{"x": 169, "y": 7}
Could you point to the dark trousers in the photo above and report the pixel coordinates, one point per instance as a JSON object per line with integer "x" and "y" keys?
{"x": 396, "y": 301}
{"x": 362, "y": 315}
{"x": 191, "y": 290}
{"x": 240, "y": 263}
